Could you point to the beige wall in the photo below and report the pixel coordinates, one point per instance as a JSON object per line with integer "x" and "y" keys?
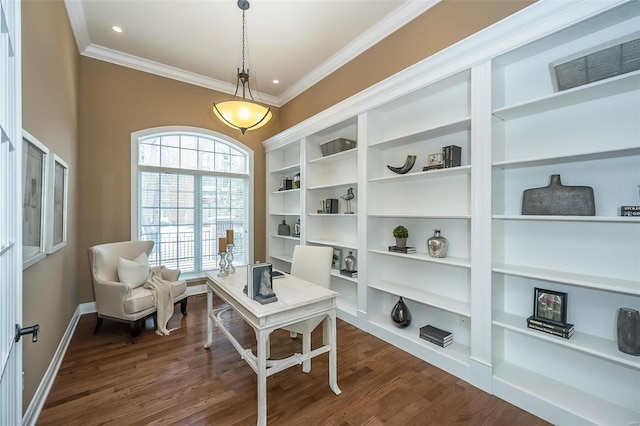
{"x": 116, "y": 101}
{"x": 441, "y": 26}
{"x": 49, "y": 108}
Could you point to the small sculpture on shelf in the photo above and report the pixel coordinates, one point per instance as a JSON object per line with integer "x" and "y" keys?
{"x": 406, "y": 167}
{"x": 437, "y": 245}
{"x": 296, "y": 229}
{"x": 350, "y": 266}
{"x": 348, "y": 197}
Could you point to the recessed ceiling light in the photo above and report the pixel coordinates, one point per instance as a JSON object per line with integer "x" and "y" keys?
{"x": 116, "y": 29}
{"x": 276, "y": 81}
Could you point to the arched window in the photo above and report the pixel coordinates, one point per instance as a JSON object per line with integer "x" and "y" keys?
{"x": 189, "y": 186}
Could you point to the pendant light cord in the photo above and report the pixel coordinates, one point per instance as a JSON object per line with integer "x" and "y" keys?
{"x": 243, "y": 32}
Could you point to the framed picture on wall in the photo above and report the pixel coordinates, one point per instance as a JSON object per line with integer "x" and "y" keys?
{"x": 35, "y": 164}
{"x": 58, "y": 199}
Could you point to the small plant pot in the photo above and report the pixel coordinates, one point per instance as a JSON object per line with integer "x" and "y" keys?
{"x": 401, "y": 242}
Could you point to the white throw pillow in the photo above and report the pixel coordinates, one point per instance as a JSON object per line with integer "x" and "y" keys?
{"x": 134, "y": 272}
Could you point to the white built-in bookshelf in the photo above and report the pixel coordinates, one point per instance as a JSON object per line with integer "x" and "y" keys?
{"x": 492, "y": 95}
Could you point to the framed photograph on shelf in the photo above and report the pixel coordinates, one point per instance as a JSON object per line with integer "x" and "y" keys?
{"x": 550, "y": 306}
{"x": 35, "y": 163}
{"x": 336, "y": 262}
{"x": 57, "y": 211}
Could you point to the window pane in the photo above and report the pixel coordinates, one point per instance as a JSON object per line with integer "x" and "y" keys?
{"x": 189, "y": 159}
{"x": 169, "y": 203}
{"x": 170, "y": 157}
{"x": 149, "y": 155}
{"x": 189, "y": 142}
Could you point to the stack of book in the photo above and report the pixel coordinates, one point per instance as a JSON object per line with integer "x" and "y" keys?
{"x": 565, "y": 331}
{"x": 436, "y": 336}
{"x": 451, "y": 156}
{"x": 405, "y": 250}
{"x": 629, "y": 210}
{"x": 352, "y": 274}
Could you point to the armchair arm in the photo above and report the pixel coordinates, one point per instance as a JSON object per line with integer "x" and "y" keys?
{"x": 170, "y": 274}
{"x": 110, "y": 297}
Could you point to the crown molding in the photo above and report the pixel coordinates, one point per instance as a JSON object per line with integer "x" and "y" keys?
{"x": 400, "y": 17}
{"x": 157, "y": 68}
{"x": 396, "y": 20}
{"x": 78, "y": 21}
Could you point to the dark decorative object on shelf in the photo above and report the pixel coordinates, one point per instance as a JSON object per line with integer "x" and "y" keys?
{"x": 550, "y": 306}
{"x": 350, "y": 263}
{"x": 348, "y": 197}
{"x": 296, "y": 181}
{"x": 437, "y": 245}
{"x": 337, "y": 145}
{"x": 629, "y": 210}
{"x": 628, "y": 331}
{"x": 618, "y": 57}
{"x": 331, "y": 205}
{"x": 286, "y": 184}
{"x": 284, "y": 229}
{"x": 408, "y": 165}
{"x": 557, "y": 199}
{"x": 401, "y": 233}
{"x": 400, "y": 314}
{"x": 451, "y": 156}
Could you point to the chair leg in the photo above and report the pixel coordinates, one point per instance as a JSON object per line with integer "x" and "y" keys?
{"x": 98, "y": 325}
{"x": 183, "y": 306}
{"x": 135, "y": 331}
{"x": 306, "y": 348}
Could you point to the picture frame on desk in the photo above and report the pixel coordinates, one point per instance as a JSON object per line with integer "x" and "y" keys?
{"x": 550, "y": 306}
{"x": 254, "y": 275}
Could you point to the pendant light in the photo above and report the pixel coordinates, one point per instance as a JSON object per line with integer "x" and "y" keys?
{"x": 242, "y": 113}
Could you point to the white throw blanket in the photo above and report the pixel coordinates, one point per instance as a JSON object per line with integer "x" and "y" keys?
{"x": 163, "y": 295}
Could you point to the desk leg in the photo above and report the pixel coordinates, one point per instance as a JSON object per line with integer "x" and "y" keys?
{"x": 329, "y": 338}
{"x": 262, "y": 338}
{"x": 209, "y": 320}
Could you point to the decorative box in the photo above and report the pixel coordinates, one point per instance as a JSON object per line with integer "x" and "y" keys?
{"x": 337, "y": 145}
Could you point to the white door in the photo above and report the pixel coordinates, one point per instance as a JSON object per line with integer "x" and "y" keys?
{"x": 10, "y": 213}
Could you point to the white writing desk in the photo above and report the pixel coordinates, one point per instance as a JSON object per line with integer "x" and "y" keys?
{"x": 298, "y": 300}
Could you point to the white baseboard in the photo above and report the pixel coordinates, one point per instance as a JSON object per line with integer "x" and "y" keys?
{"x": 40, "y": 397}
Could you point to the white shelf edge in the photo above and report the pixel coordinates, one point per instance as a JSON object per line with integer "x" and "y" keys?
{"x": 332, "y": 214}
{"x": 424, "y": 257}
{"x": 284, "y": 214}
{"x": 286, "y": 169}
{"x": 430, "y": 133}
{"x": 285, "y": 237}
{"x": 340, "y": 156}
{"x": 337, "y": 274}
{"x": 283, "y": 257}
{"x": 612, "y": 219}
{"x": 424, "y": 297}
{"x": 432, "y": 174}
{"x": 421, "y": 216}
{"x": 582, "y": 342}
{"x": 352, "y": 246}
{"x": 456, "y": 352}
{"x": 288, "y": 191}
{"x": 587, "y": 156}
{"x": 611, "y": 86}
{"x": 580, "y": 280}
{"x": 333, "y": 185}
{"x": 572, "y": 400}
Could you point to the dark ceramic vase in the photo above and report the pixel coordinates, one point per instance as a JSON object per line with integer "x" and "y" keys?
{"x": 400, "y": 314}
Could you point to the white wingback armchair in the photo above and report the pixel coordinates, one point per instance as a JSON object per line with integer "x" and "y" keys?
{"x": 122, "y": 301}
{"x": 313, "y": 264}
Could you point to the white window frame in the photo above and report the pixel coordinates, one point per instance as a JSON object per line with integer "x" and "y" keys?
{"x": 136, "y": 136}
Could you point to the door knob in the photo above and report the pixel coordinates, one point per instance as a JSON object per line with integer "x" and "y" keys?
{"x": 33, "y": 330}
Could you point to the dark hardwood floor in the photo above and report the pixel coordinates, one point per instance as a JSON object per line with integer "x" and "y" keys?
{"x": 106, "y": 380}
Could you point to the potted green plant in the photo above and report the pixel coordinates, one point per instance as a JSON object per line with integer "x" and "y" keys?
{"x": 401, "y": 233}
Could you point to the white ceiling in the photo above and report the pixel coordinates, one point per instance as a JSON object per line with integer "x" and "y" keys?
{"x": 297, "y": 42}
